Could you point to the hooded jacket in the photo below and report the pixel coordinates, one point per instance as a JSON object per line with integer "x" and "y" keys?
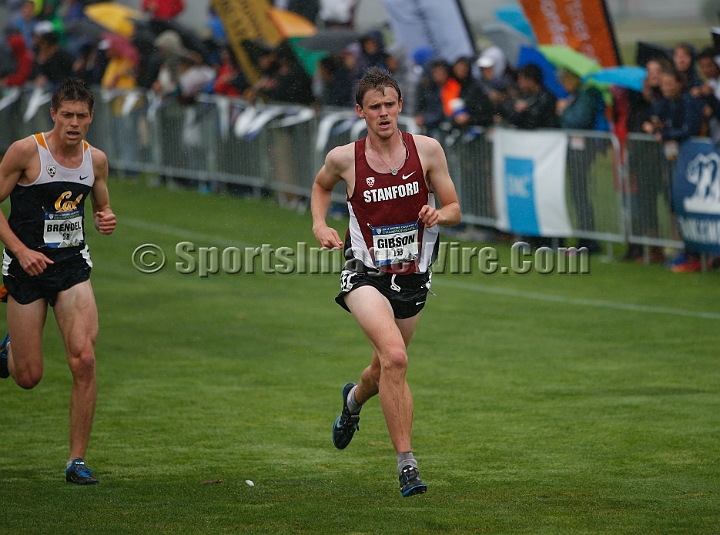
{"x": 23, "y": 61}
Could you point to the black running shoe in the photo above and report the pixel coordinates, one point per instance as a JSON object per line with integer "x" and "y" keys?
{"x": 80, "y": 474}
{"x": 4, "y": 371}
{"x": 346, "y": 424}
{"x": 410, "y": 482}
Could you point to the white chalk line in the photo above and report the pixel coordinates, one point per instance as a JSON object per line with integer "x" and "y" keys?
{"x": 184, "y": 234}
{"x": 575, "y": 300}
{"x": 197, "y": 236}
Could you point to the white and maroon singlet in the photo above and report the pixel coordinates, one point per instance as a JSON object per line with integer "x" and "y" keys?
{"x": 385, "y": 231}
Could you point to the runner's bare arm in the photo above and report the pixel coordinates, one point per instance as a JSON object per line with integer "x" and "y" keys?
{"x": 13, "y": 167}
{"x": 337, "y": 163}
{"x": 435, "y": 164}
{"x": 103, "y": 215}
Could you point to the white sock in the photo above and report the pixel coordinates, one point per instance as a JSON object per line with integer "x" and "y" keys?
{"x": 352, "y": 402}
{"x": 405, "y": 459}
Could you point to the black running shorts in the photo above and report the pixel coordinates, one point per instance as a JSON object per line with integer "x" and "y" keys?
{"x": 56, "y": 278}
{"x": 406, "y": 293}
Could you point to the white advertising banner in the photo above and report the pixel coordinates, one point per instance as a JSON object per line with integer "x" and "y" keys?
{"x": 438, "y": 24}
{"x": 529, "y": 182}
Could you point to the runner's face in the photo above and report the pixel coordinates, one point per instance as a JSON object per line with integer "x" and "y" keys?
{"x": 380, "y": 111}
{"x": 72, "y": 120}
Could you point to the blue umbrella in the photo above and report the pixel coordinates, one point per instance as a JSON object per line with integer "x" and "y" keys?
{"x": 513, "y": 15}
{"x": 627, "y": 76}
{"x": 532, "y": 55}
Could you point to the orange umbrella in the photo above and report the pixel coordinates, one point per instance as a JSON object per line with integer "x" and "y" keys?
{"x": 114, "y": 17}
{"x": 291, "y": 24}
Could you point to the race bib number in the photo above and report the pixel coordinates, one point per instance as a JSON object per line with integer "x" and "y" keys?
{"x": 63, "y": 229}
{"x": 346, "y": 280}
{"x": 395, "y": 244}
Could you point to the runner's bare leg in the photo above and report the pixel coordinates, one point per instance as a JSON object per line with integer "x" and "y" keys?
{"x": 77, "y": 317}
{"x": 375, "y": 316}
{"x": 25, "y": 325}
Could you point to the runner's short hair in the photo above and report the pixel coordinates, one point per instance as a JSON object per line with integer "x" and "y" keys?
{"x": 375, "y": 79}
{"x": 72, "y": 90}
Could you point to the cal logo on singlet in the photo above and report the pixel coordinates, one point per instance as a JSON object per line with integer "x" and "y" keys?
{"x": 48, "y": 214}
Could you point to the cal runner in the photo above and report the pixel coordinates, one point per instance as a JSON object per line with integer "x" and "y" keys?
{"x": 48, "y": 177}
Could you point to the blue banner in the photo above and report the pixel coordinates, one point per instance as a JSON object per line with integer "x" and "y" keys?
{"x": 519, "y": 182}
{"x": 696, "y": 196}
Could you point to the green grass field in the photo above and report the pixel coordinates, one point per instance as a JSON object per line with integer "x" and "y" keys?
{"x": 543, "y": 404}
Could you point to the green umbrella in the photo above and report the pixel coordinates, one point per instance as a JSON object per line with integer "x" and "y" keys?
{"x": 572, "y": 60}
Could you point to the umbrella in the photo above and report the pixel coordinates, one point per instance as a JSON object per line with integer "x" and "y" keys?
{"x": 332, "y": 41}
{"x": 121, "y": 46}
{"x": 572, "y": 60}
{"x": 114, "y": 17}
{"x": 533, "y": 55}
{"x": 507, "y": 39}
{"x": 628, "y": 77}
{"x": 83, "y": 30}
{"x": 513, "y": 15}
{"x": 647, "y": 51}
{"x": 715, "y": 34}
{"x": 290, "y": 24}
{"x": 189, "y": 38}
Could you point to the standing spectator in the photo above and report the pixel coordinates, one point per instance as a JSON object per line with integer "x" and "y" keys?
{"x": 646, "y": 162}
{"x": 429, "y": 113}
{"x": 148, "y": 68}
{"x": 193, "y": 77}
{"x": 676, "y": 117}
{"x": 337, "y": 82}
{"x": 709, "y": 91}
{"x": 52, "y": 64}
{"x": 24, "y": 21}
{"x": 216, "y": 26}
{"x": 49, "y": 13}
{"x": 474, "y": 108}
{"x": 23, "y": 57}
{"x": 120, "y": 74}
{"x": 284, "y": 79}
{"x": 470, "y": 111}
{"x": 230, "y": 80}
{"x": 170, "y": 48}
{"x": 372, "y": 52}
{"x": 495, "y": 74}
{"x": 684, "y": 63}
{"x": 710, "y": 71}
{"x": 535, "y": 107}
{"x": 163, "y": 9}
{"x": 584, "y": 109}
{"x": 72, "y": 11}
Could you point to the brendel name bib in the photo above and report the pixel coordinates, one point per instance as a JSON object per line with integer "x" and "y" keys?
{"x": 63, "y": 229}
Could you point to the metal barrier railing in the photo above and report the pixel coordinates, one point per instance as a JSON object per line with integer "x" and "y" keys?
{"x": 648, "y": 199}
{"x": 218, "y": 140}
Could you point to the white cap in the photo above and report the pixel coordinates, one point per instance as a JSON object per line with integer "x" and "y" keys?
{"x": 43, "y": 27}
{"x": 485, "y": 61}
{"x": 104, "y": 44}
